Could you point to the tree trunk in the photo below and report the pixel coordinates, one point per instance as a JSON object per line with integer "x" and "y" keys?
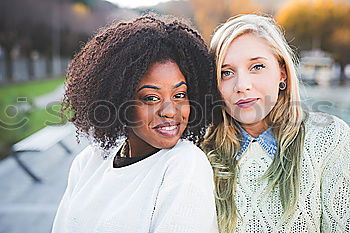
{"x": 30, "y": 66}
{"x": 342, "y": 79}
{"x": 8, "y": 65}
{"x": 49, "y": 64}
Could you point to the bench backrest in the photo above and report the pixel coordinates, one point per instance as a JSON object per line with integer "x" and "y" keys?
{"x": 44, "y": 138}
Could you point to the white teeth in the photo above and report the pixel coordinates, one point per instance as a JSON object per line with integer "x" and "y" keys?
{"x": 169, "y": 127}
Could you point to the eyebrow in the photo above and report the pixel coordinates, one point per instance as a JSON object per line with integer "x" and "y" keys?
{"x": 180, "y": 84}
{"x": 251, "y": 59}
{"x": 148, "y": 86}
{"x": 158, "y": 88}
{"x": 257, "y": 58}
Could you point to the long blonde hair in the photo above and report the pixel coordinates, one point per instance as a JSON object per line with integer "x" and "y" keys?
{"x": 286, "y": 118}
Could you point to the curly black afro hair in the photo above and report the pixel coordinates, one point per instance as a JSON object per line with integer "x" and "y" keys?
{"x": 105, "y": 73}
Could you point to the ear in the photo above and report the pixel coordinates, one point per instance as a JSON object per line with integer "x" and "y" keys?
{"x": 283, "y": 74}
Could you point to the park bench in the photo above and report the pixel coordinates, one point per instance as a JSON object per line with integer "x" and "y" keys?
{"x": 39, "y": 142}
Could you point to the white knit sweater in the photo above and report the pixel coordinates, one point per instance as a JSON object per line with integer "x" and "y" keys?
{"x": 171, "y": 191}
{"x": 324, "y": 198}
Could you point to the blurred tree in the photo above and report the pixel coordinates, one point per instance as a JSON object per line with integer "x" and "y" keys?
{"x": 33, "y": 29}
{"x": 51, "y": 28}
{"x": 10, "y": 20}
{"x": 86, "y": 3}
{"x": 181, "y": 9}
{"x": 210, "y": 13}
{"x": 319, "y": 24}
{"x": 23, "y": 24}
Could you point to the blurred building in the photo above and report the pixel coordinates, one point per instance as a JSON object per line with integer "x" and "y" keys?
{"x": 317, "y": 67}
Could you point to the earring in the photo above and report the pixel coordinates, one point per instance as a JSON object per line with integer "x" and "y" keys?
{"x": 282, "y": 86}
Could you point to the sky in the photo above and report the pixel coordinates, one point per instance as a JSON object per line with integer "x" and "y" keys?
{"x": 136, "y": 3}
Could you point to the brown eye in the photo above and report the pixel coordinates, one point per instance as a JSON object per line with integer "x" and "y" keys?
{"x": 151, "y": 98}
{"x": 181, "y": 95}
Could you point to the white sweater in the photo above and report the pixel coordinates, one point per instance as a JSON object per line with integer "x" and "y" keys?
{"x": 171, "y": 191}
{"x": 324, "y": 201}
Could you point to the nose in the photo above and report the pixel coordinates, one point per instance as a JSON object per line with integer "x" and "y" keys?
{"x": 243, "y": 83}
{"x": 168, "y": 110}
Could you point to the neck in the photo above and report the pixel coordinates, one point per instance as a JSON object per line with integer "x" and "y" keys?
{"x": 255, "y": 129}
{"x": 138, "y": 147}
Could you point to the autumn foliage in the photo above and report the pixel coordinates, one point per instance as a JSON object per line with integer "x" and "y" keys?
{"x": 319, "y": 24}
{"x": 210, "y": 13}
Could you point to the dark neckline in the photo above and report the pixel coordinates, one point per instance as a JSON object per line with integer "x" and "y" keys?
{"x": 119, "y": 161}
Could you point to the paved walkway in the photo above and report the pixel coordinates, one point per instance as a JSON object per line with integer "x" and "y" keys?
{"x": 28, "y": 207}
{"x": 50, "y": 98}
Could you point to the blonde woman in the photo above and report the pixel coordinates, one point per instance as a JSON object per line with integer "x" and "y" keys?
{"x": 277, "y": 168}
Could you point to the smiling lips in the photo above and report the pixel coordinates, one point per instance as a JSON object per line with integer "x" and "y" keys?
{"x": 246, "y": 103}
{"x": 168, "y": 129}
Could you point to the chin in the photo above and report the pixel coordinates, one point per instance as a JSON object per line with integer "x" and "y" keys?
{"x": 248, "y": 120}
{"x": 166, "y": 143}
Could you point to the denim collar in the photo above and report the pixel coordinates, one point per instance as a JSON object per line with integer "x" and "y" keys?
{"x": 266, "y": 140}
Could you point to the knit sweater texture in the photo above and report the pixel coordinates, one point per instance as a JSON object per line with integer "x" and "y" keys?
{"x": 324, "y": 196}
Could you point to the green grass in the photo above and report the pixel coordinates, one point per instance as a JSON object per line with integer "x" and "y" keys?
{"x": 17, "y": 124}
{"x": 9, "y": 93}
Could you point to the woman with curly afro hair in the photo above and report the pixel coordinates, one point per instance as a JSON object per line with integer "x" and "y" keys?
{"x": 137, "y": 89}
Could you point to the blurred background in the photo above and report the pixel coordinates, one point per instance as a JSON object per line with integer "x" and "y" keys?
{"x": 39, "y": 37}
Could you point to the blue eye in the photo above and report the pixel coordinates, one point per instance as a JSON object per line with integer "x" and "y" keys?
{"x": 258, "y": 67}
{"x": 181, "y": 95}
{"x": 226, "y": 74}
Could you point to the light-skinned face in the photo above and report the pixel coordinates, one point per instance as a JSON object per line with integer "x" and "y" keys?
{"x": 161, "y": 111}
{"x": 249, "y": 82}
